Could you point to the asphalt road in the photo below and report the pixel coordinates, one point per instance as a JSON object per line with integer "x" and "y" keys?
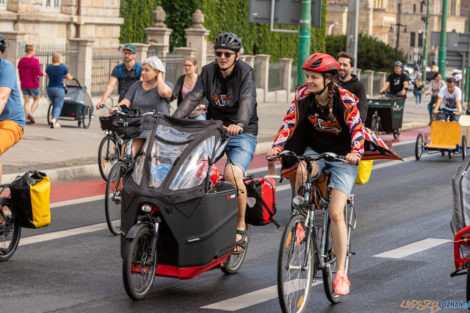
{"x": 405, "y": 203}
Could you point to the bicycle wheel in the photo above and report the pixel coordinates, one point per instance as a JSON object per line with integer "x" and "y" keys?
{"x": 49, "y": 115}
{"x": 235, "y": 261}
{"x": 108, "y": 155}
{"x": 112, "y": 197}
{"x": 331, "y": 267}
{"x": 138, "y": 268}
{"x": 10, "y": 232}
{"x": 295, "y": 267}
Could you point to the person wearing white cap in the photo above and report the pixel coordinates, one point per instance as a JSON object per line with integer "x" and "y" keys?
{"x": 149, "y": 94}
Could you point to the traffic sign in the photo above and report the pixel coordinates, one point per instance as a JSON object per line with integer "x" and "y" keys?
{"x": 287, "y": 12}
{"x": 455, "y": 41}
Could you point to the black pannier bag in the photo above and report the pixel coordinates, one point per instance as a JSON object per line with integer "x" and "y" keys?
{"x": 129, "y": 126}
{"x": 461, "y": 194}
{"x": 198, "y": 223}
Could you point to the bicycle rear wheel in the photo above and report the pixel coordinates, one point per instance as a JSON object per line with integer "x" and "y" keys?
{"x": 295, "y": 267}
{"x": 138, "y": 268}
{"x": 108, "y": 155}
{"x": 113, "y": 197}
{"x": 10, "y": 232}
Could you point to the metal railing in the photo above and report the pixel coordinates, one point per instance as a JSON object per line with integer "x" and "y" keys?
{"x": 104, "y": 60}
{"x": 275, "y": 76}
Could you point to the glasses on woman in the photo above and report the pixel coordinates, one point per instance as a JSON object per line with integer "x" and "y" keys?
{"x": 188, "y": 65}
{"x": 226, "y": 54}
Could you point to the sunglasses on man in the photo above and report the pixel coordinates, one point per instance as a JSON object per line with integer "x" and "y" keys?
{"x": 226, "y": 54}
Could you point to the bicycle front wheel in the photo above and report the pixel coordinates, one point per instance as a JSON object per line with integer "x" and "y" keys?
{"x": 10, "y": 232}
{"x": 295, "y": 267}
{"x": 113, "y": 197}
{"x": 108, "y": 155}
{"x": 138, "y": 268}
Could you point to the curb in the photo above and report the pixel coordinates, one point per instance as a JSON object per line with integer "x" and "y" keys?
{"x": 91, "y": 170}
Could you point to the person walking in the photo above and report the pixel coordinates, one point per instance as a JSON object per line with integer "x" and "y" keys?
{"x": 29, "y": 71}
{"x": 123, "y": 74}
{"x": 149, "y": 94}
{"x": 56, "y": 72}
{"x": 185, "y": 84}
{"x": 418, "y": 91}
{"x": 349, "y": 81}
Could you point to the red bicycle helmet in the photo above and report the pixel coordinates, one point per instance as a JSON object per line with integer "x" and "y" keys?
{"x": 320, "y": 62}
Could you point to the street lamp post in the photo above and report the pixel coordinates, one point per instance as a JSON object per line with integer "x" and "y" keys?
{"x": 425, "y": 48}
{"x": 398, "y": 25}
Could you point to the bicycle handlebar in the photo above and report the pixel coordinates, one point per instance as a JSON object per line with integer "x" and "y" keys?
{"x": 330, "y": 156}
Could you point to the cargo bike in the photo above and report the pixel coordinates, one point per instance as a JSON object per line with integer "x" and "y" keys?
{"x": 178, "y": 217}
{"x": 385, "y": 114}
{"x": 446, "y": 137}
{"x": 78, "y": 105}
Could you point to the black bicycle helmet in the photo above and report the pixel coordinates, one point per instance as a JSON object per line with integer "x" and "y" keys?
{"x": 3, "y": 44}
{"x": 228, "y": 41}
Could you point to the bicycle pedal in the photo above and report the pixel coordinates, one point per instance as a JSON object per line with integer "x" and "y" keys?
{"x": 352, "y": 253}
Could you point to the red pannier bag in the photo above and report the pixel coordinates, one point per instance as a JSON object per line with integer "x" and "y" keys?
{"x": 261, "y": 201}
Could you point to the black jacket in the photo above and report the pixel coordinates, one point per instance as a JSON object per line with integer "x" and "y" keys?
{"x": 355, "y": 86}
{"x": 231, "y": 100}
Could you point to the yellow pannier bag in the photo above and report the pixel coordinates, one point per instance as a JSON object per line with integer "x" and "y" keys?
{"x": 30, "y": 198}
{"x": 363, "y": 172}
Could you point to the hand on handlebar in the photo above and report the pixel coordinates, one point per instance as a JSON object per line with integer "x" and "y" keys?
{"x": 352, "y": 158}
{"x": 233, "y": 130}
{"x": 100, "y": 105}
{"x": 113, "y": 110}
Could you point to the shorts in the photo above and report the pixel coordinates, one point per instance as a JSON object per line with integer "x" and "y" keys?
{"x": 342, "y": 175}
{"x": 10, "y": 134}
{"x": 30, "y": 92}
{"x": 445, "y": 115}
{"x": 240, "y": 150}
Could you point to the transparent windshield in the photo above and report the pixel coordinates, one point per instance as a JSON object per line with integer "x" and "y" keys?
{"x": 193, "y": 172}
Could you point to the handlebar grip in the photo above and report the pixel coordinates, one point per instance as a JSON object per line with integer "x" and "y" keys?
{"x": 357, "y": 162}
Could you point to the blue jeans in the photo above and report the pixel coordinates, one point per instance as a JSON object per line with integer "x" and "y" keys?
{"x": 343, "y": 175}
{"x": 240, "y": 150}
{"x": 418, "y": 95}
{"x": 56, "y": 95}
{"x": 446, "y": 113}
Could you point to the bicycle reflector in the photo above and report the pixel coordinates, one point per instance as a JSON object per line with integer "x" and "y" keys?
{"x": 298, "y": 201}
{"x": 148, "y": 208}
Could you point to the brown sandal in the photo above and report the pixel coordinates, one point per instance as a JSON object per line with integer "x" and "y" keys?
{"x": 243, "y": 242}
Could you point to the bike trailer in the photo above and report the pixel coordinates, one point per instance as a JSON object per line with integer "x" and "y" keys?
{"x": 389, "y": 109}
{"x": 460, "y": 222}
{"x": 198, "y": 219}
{"x": 78, "y": 105}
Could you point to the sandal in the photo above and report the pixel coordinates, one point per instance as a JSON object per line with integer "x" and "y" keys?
{"x": 243, "y": 242}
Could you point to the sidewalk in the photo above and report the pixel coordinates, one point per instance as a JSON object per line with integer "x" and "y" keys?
{"x": 71, "y": 152}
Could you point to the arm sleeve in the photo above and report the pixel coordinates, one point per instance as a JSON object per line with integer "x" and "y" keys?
{"x": 66, "y": 70}
{"x": 286, "y": 129}
{"x": 247, "y": 100}
{"x": 191, "y": 100}
{"x": 38, "y": 69}
{"x": 130, "y": 95}
{"x": 441, "y": 93}
{"x": 115, "y": 72}
{"x": 459, "y": 94}
{"x": 7, "y": 76}
{"x": 352, "y": 119}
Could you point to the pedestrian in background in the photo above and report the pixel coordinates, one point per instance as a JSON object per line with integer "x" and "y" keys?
{"x": 434, "y": 87}
{"x": 185, "y": 85}
{"x": 56, "y": 72}
{"x": 349, "y": 81}
{"x": 123, "y": 74}
{"x": 29, "y": 71}
{"x": 418, "y": 91}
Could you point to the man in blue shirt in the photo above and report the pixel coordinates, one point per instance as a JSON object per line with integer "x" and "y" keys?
{"x": 12, "y": 118}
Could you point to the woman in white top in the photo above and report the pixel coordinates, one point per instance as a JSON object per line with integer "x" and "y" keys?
{"x": 436, "y": 84}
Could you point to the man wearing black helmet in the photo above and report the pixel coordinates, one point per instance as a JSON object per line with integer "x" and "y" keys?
{"x": 397, "y": 81}
{"x": 12, "y": 117}
{"x": 229, "y": 85}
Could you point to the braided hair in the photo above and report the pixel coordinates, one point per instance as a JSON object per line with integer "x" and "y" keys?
{"x": 331, "y": 93}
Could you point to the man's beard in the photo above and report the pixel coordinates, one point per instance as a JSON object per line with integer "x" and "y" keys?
{"x": 342, "y": 76}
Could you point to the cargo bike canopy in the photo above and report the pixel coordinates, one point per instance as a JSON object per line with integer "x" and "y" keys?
{"x": 176, "y": 159}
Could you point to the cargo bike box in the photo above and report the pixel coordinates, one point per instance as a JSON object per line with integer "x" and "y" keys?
{"x": 385, "y": 114}
{"x": 198, "y": 215}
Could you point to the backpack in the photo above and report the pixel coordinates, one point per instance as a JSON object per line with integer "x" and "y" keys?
{"x": 137, "y": 70}
{"x": 261, "y": 201}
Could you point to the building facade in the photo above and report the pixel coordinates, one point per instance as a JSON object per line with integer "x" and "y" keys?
{"x": 57, "y": 21}
{"x": 380, "y": 19}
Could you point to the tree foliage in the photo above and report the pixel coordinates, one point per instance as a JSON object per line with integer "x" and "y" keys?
{"x": 372, "y": 54}
{"x": 219, "y": 16}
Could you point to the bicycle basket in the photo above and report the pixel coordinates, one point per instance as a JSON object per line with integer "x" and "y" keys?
{"x": 106, "y": 122}
{"x": 128, "y": 127}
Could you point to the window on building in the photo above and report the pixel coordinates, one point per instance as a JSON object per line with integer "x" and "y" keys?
{"x": 420, "y": 39}
{"x": 3, "y": 4}
{"x": 412, "y": 39}
{"x": 51, "y": 4}
{"x": 414, "y": 8}
{"x": 421, "y": 7}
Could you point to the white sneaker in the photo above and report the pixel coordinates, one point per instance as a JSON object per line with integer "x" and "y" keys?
{"x": 53, "y": 121}
{"x": 55, "y": 125}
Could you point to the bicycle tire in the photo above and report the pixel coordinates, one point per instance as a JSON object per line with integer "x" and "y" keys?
{"x": 108, "y": 155}
{"x": 136, "y": 254}
{"x": 49, "y": 115}
{"x": 235, "y": 261}
{"x": 113, "y": 198}
{"x": 330, "y": 270}
{"x": 11, "y": 234}
{"x": 294, "y": 294}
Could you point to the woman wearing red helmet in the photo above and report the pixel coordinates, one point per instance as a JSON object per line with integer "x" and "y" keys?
{"x": 324, "y": 118}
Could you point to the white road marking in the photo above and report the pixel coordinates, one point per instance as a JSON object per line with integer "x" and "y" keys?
{"x": 248, "y": 299}
{"x": 62, "y": 234}
{"x": 76, "y": 201}
{"x": 412, "y": 248}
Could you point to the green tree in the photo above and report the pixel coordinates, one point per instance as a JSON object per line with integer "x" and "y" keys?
{"x": 137, "y": 16}
{"x": 372, "y": 54}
